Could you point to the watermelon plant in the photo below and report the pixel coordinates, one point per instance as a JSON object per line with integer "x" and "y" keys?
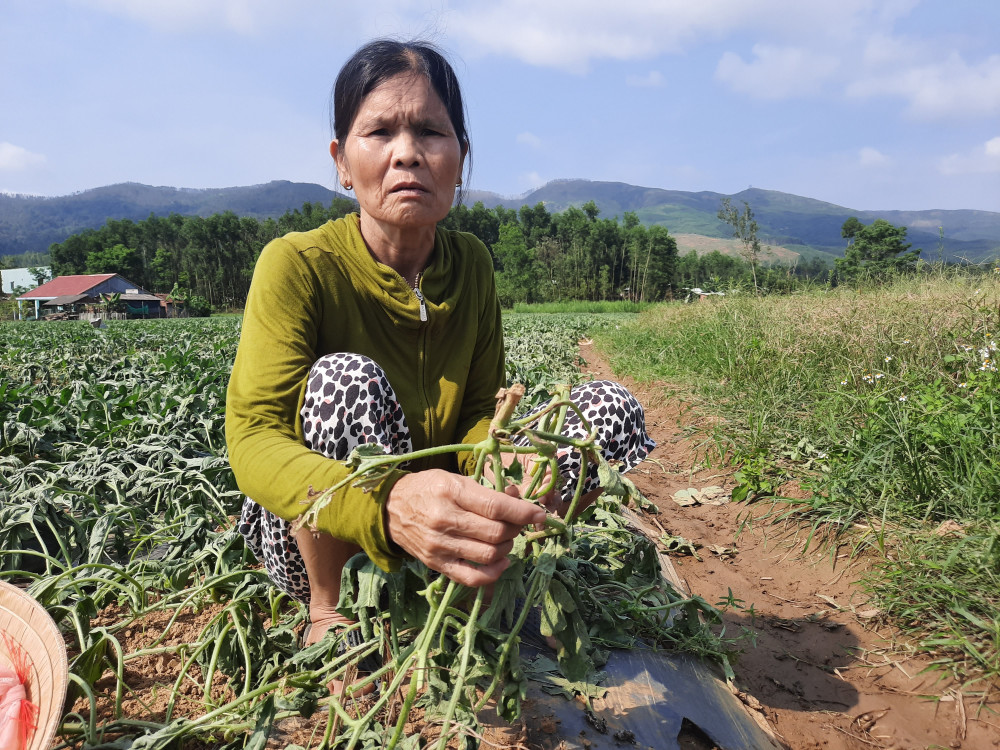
{"x": 117, "y": 512}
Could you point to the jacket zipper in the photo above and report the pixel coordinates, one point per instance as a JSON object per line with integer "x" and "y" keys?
{"x": 420, "y": 299}
{"x": 421, "y": 360}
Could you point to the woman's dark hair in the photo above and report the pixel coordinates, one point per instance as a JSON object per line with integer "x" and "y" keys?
{"x": 382, "y": 59}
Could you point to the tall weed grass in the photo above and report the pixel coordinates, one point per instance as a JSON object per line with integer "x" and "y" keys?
{"x": 883, "y": 403}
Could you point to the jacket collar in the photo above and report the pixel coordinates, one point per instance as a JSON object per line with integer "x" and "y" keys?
{"x": 441, "y": 282}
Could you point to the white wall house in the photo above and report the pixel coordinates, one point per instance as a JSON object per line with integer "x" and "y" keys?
{"x": 12, "y": 277}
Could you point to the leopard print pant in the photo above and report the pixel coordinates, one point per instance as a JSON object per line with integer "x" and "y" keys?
{"x": 349, "y": 401}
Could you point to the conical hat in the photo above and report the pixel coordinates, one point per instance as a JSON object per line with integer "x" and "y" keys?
{"x": 27, "y": 623}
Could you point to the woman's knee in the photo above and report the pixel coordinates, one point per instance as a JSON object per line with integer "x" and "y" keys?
{"x": 349, "y": 401}
{"x": 340, "y": 370}
{"x": 606, "y": 398}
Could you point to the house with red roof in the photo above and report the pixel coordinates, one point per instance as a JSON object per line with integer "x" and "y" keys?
{"x": 69, "y": 292}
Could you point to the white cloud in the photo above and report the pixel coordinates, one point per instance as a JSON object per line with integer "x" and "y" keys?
{"x": 653, "y": 79}
{"x": 570, "y": 34}
{"x": 16, "y": 158}
{"x": 531, "y": 180}
{"x": 883, "y": 50}
{"x": 776, "y": 72}
{"x": 241, "y": 16}
{"x": 870, "y": 157}
{"x": 529, "y": 139}
{"x": 948, "y": 88}
{"x": 984, "y": 159}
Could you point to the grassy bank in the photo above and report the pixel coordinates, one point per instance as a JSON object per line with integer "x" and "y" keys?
{"x": 581, "y": 307}
{"x": 884, "y": 405}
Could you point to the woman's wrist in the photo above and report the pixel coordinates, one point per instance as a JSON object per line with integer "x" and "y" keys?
{"x": 388, "y": 491}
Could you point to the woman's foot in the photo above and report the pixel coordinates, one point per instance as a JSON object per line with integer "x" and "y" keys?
{"x": 315, "y": 631}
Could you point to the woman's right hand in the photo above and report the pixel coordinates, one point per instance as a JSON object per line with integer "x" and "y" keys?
{"x": 456, "y": 526}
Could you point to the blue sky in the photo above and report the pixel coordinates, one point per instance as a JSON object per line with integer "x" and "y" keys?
{"x": 870, "y": 104}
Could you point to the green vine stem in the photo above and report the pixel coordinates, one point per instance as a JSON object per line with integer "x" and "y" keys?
{"x": 542, "y": 431}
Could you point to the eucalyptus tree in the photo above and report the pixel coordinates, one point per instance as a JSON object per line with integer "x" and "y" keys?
{"x": 744, "y": 228}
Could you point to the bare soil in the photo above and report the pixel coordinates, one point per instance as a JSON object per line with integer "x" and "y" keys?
{"x": 151, "y": 678}
{"x": 826, "y": 671}
{"x": 704, "y": 245}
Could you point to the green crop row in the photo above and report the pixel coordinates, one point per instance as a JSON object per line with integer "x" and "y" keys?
{"x": 118, "y": 507}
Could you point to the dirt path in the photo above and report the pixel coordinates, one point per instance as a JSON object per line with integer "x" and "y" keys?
{"x": 825, "y": 671}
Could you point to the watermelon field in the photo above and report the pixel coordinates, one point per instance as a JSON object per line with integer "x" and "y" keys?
{"x": 118, "y": 511}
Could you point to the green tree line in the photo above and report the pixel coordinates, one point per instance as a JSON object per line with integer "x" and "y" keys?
{"x": 576, "y": 255}
{"x": 539, "y": 256}
{"x": 211, "y": 257}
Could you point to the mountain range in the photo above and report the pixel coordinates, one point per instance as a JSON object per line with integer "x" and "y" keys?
{"x": 790, "y": 222}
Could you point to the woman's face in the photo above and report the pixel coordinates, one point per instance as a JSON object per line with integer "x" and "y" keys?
{"x": 401, "y": 154}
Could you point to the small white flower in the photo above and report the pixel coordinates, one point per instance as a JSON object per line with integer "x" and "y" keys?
{"x": 902, "y": 398}
{"x": 888, "y": 358}
{"x": 879, "y": 376}
{"x": 963, "y": 385}
{"x": 843, "y": 382}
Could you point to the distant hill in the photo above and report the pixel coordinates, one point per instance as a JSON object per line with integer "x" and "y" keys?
{"x": 798, "y": 224}
{"x": 791, "y": 222}
{"x": 32, "y": 223}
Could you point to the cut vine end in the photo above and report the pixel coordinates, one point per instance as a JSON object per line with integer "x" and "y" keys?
{"x": 507, "y": 401}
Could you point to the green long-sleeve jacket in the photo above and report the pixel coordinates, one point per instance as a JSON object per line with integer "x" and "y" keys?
{"x": 318, "y": 292}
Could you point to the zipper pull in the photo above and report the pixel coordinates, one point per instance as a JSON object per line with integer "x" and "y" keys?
{"x": 423, "y": 305}
{"x": 420, "y": 299}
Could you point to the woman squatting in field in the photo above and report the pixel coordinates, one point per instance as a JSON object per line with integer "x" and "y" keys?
{"x": 381, "y": 327}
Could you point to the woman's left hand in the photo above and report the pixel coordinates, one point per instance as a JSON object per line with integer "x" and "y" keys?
{"x": 455, "y": 526}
